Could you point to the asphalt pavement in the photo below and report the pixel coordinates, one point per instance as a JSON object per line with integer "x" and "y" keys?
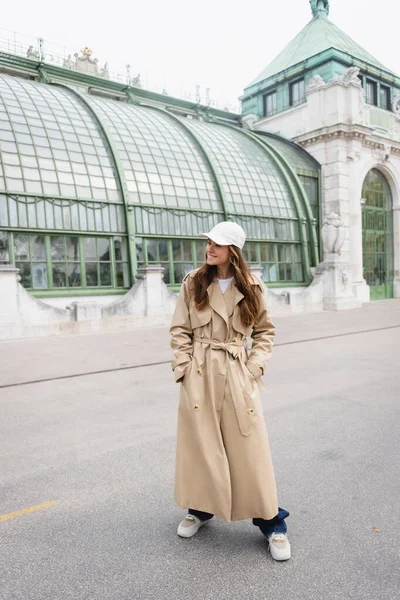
{"x": 87, "y": 440}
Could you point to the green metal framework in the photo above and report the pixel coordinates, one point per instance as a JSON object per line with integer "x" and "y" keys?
{"x": 377, "y": 228}
{"x": 91, "y": 188}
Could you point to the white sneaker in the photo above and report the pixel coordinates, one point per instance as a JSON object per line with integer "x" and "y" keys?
{"x": 279, "y": 546}
{"x": 189, "y": 526}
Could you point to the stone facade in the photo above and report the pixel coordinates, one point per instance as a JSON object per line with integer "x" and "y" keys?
{"x": 348, "y": 138}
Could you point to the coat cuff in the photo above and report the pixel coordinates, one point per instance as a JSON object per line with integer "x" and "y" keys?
{"x": 255, "y": 369}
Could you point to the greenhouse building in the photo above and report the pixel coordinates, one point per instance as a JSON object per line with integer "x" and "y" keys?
{"x": 105, "y": 186}
{"x": 95, "y": 183}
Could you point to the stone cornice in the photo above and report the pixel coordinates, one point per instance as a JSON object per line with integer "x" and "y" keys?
{"x": 366, "y": 135}
{"x": 341, "y": 130}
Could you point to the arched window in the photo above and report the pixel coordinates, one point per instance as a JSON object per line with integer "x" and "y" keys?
{"x": 377, "y": 222}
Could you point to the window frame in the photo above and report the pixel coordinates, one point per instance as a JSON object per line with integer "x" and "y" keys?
{"x": 388, "y": 94}
{"x": 116, "y": 265}
{"x": 374, "y": 86}
{"x": 302, "y": 97}
{"x": 272, "y": 93}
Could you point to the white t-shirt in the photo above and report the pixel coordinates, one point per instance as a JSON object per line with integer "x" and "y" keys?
{"x": 224, "y": 284}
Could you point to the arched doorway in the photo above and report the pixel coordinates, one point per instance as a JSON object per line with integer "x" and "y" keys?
{"x": 377, "y": 224}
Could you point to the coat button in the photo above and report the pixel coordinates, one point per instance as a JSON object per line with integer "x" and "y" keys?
{"x": 199, "y": 371}
{"x": 196, "y": 407}
{"x": 250, "y": 411}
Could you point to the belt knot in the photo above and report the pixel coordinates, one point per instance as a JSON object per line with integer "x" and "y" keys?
{"x": 231, "y": 347}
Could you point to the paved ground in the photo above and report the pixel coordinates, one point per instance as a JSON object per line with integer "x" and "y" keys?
{"x": 101, "y": 446}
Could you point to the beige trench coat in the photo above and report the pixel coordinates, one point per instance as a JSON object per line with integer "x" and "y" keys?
{"x": 223, "y": 462}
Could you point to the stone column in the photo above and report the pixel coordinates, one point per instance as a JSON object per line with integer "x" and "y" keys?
{"x": 256, "y": 270}
{"x": 360, "y": 287}
{"x": 396, "y": 251}
{"x": 152, "y": 276}
{"x": 337, "y": 276}
{"x": 10, "y": 318}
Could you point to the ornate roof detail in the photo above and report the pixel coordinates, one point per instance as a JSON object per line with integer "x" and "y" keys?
{"x": 319, "y": 7}
{"x": 318, "y": 36}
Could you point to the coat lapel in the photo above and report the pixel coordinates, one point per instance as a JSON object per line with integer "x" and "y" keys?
{"x": 217, "y": 301}
{"x": 237, "y": 297}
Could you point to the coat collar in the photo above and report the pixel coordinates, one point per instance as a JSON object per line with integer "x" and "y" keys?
{"x": 217, "y": 301}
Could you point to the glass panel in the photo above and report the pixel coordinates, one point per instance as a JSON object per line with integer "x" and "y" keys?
{"x": 187, "y": 251}
{"x": 38, "y": 249}
{"x": 273, "y": 275}
{"x": 12, "y": 208}
{"x": 385, "y": 97}
{"x": 250, "y": 251}
{"x": 58, "y": 217}
{"x": 139, "y": 250}
{"x": 39, "y": 275}
{"x": 298, "y": 272}
{"x": 57, "y": 245}
{"x": 92, "y": 278}
{"x": 297, "y": 92}
{"x": 90, "y": 217}
{"x": 122, "y": 274}
{"x": 370, "y": 92}
{"x": 105, "y": 274}
{"x": 74, "y": 217}
{"x": 83, "y": 217}
{"x": 270, "y": 106}
{"x": 41, "y": 220}
{"x": 120, "y": 249}
{"x": 74, "y": 275}
{"x": 200, "y": 252}
{"x": 179, "y": 272}
{"x": 4, "y": 254}
{"x": 163, "y": 250}
{"x": 72, "y": 248}
{"x": 21, "y": 245}
{"x": 89, "y": 248}
{"x": 59, "y": 274}
{"x": 23, "y": 220}
{"x": 103, "y": 248}
{"x": 3, "y": 211}
{"x": 176, "y": 250}
{"x": 267, "y": 253}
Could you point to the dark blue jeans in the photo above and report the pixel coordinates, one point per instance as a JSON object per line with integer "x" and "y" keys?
{"x": 275, "y": 525}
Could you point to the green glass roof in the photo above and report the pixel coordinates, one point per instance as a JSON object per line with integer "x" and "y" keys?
{"x": 294, "y": 154}
{"x": 251, "y": 181}
{"x": 50, "y": 145}
{"x": 71, "y": 161}
{"x": 162, "y": 164}
{"x": 318, "y": 35}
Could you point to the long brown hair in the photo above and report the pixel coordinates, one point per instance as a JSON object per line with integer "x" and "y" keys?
{"x": 249, "y": 306}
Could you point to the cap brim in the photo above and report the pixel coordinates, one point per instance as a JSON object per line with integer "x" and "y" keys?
{"x": 215, "y": 238}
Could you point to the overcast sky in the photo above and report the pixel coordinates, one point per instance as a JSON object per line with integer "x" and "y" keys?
{"x": 213, "y": 43}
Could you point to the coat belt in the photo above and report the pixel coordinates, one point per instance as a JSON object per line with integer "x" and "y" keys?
{"x": 233, "y": 347}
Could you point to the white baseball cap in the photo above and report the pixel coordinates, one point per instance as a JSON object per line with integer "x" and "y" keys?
{"x": 226, "y": 233}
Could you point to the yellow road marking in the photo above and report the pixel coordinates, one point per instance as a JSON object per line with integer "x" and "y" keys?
{"x": 26, "y": 511}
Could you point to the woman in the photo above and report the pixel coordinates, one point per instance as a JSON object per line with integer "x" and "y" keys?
{"x": 223, "y": 465}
